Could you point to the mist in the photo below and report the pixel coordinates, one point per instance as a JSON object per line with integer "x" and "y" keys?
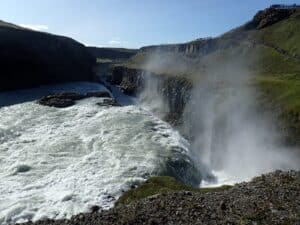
{"x": 150, "y": 97}
{"x": 232, "y": 138}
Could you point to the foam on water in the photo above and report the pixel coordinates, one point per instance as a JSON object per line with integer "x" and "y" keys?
{"x": 56, "y": 163}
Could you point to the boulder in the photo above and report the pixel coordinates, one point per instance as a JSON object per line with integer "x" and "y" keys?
{"x": 108, "y": 102}
{"x": 61, "y": 100}
{"x": 66, "y": 99}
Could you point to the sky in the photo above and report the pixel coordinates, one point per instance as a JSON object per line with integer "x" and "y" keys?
{"x": 132, "y": 23}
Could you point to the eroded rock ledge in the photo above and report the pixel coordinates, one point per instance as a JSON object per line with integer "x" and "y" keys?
{"x": 66, "y": 99}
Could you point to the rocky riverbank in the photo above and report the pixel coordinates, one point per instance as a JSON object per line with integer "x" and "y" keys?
{"x": 273, "y": 198}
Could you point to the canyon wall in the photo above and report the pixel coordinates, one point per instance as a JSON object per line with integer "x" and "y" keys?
{"x": 29, "y": 58}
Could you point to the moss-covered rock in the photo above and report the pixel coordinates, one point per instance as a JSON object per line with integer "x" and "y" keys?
{"x": 159, "y": 185}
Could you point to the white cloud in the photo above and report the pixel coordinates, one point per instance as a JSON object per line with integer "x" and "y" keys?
{"x": 36, "y": 27}
{"x": 115, "y": 42}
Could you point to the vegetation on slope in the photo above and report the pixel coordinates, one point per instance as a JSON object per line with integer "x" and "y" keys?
{"x": 159, "y": 185}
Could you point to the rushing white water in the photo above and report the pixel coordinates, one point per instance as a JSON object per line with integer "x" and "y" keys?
{"x": 59, "y": 162}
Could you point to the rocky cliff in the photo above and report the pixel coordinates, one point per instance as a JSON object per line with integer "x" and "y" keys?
{"x": 112, "y": 53}
{"x": 272, "y": 15}
{"x": 29, "y": 58}
{"x": 175, "y": 90}
{"x": 204, "y": 46}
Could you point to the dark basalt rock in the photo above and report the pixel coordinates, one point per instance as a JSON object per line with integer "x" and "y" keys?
{"x": 66, "y": 99}
{"x": 61, "y": 100}
{"x": 98, "y": 94}
{"x": 108, "y": 102}
{"x": 29, "y": 58}
{"x": 129, "y": 80}
{"x": 57, "y": 102}
{"x": 175, "y": 90}
{"x": 270, "y": 16}
{"x": 129, "y": 89}
{"x": 95, "y": 208}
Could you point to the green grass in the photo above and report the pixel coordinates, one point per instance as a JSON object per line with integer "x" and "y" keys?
{"x": 159, "y": 185}
{"x": 282, "y": 93}
{"x": 285, "y": 34}
{"x": 284, "y": 90}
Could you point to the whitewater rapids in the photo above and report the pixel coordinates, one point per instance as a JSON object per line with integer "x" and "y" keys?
{"x": 56, "y": 163}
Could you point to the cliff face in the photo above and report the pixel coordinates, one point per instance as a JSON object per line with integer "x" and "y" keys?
{"x": 112, "y": 53}
{"x": 175, "y": 90}
{"x": 191, "y": 49}
{"x": 129, "y": 80}
{"x": 29, "y": 58}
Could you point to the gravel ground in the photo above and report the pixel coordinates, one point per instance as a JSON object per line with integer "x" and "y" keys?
{"x": 273, "y": 198}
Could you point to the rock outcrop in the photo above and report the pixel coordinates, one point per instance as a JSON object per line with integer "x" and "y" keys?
{"x": 175, "y": 90}
{"x": 129, "y": 80}
{"x": 112, "y": 53}
{"x": 271, "y": 15}
{"x": 191, "y": 49}
{"x": 29, "y": 58}
{"x": 66, "y": 99}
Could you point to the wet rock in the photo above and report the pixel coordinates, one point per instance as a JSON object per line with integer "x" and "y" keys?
{"x": 176, "y": 91}
{"x": 130, "y": 80}
{"x": 22, "y": 169}
{"x": 129, "y": 89}
{"x": 98, "y": 94}
{"x": 67, "y": 198}
{"x": 108, "y": 102}
{"x": 95, "y": 208}
{"x": 66, "y": 99}
{"x": 61, "y": 100}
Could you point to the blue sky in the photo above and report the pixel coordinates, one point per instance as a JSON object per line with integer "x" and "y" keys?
{"x": 132, "y": 23}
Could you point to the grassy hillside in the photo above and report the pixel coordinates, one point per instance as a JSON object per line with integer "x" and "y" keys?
{"x": 278, "y": 74}
{"x": 271, "y": 57}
